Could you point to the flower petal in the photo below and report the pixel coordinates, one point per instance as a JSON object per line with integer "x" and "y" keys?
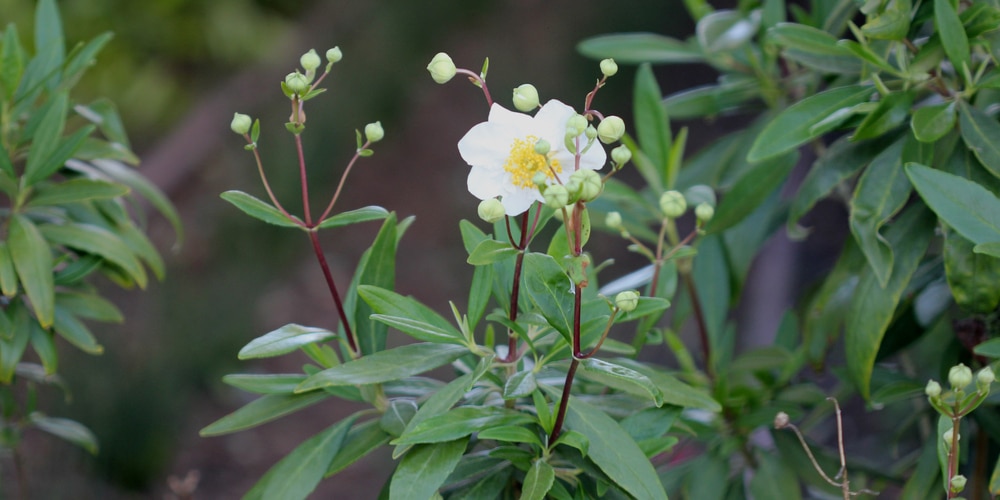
{"x": 486, "y": 183}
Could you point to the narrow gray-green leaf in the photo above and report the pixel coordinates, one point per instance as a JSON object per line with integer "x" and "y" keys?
{"x": 364, "y": 214}
{"x": 424, "y": 469}
{"x": 284, "y": 340}
{"x": 383, "y": 366}
{"x": 791, "y": 128}
{"x": 652, "y": 126}
{"x": 603, "y": 369}
{"x": 490, "y": 251}
{"x": 634, "y": 48}
{"x": 982, "y": 135}
{"x": 756, "y": 184}
{"x": 965, "y": 205}
{"x": 931, "y": 123}
{"x": 519, "y": 385}
{"x": 99, "y": 241}
{"x": 953, "y": 37}
{"x": 262, "y": 410}
{"x": 76, "y": 190}
{"x": 461, "y": 422}
{"x": 360, "y": 441}
{"x": 839, "y": 162}
{"x": 410, "y": 316}
{"x": 33, "y": 261}
{"x": 67, "y": 429}
{"x": 775, "y": 479}
{"x": 538, "y": 481}
{"x": 258, "y": 209}
{"x": 265, "y": 383}
{"x": 881, "y": 191}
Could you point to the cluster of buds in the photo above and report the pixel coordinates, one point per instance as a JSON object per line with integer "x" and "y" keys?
{"x": 674, "y": 204}
{"x": 956, "y": 401}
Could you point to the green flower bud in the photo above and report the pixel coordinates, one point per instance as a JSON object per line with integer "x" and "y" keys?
{"x": 576, "y": 125}
{"x": 241, "y": 123}
{"x": 590, "y": 184}
{"x": 541, "y": 181}
{"x": 957, "y": 483}
{"x": 542, "y": 147}
{"x": 310, "y": 60}
{"x": 374, "y": 132}
{"x": 947, "y": 436}
{"x": 491, "y": 210}
{"x": 613, "y": 220}
{"x": 959, "y": 376}
{"x": 627, "y": 301}
{"x": 297, "y": 83}
{"x": 933, "y": 389}
{"x": 673, "y": 204}
{"x": 525, "y": 97}
{"x": 573, "y": 187}
{"x": 621, "y": 155}
{"x": 441, "y": 68}
{"x": 556, "y": 196}
{"x": 609, "y": 67}
{"x": 590, "y": 133}
{"x": 334, "y": 55}
{"x": 704, "y": 212}
{"x": 984, "y": 378}
{"x": 611, "y": 129}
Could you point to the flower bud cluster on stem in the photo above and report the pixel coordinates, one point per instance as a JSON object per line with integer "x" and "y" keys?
{"x": 955, "y": 404}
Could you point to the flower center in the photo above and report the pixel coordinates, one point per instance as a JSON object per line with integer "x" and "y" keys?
{"x": 523, "y": 163}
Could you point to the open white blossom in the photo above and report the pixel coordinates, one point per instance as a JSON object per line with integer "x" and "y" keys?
{"x": 504, "y": 162}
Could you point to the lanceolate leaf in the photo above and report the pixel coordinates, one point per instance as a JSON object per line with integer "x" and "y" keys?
{"x": 284, "y": 340}
{"x": 440, "y": 402}
{"x": 873, "y": 306}
{"x": 614, "y": 451}
{"x": 70, "y": 430}
{"x": 297, "y": 475}
{"x": 410, "y": 316}
{"x": 548, "y": 287}
{"x": 424, "y": 469}
{"x": 99, "y": 241}
{"x": 384, "y": 366}
{"x": 355, "y": 216}
{"x": 881, "y": 191}
{"x": 461, "y": 422}
{"x": 627, "y": 378}
{"x": 791, "y": 128}
{"x": 965, "y": 205}
{"x": 377, "y": 268}
{"x": 982, "y": 135}
{"x": 262, "y": 410}
{"x": 76, "y": 190}
{"x": 490, "y": 251}
{"x": 751, "y": 190}
{"x": 839, "y": 162}
{"x": 652, "y": 125}
{"x": 258, "y": 209}
{"x": 538, "y": 481}
{"x": 360, "y": 441}
{"x": 953, "y": 37}
{"x": 631, "y": 48}
{"x": 33, "y": 261}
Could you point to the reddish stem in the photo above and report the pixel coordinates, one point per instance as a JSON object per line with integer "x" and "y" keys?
{"x": 515, "y": 291}
{"x": 564, "y": 401}
{"x": 479, "y": 81}
{"x": 699, "y": 316}
{"x": 351, "y": 340}
{"x": 343, "y": 178}
{"x": 303, "y": 179}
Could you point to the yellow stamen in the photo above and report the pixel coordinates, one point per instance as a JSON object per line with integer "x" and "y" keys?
{"x": 523, "y": 163}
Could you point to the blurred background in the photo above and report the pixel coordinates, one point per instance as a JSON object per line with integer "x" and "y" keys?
{"x": 178, "y": 69}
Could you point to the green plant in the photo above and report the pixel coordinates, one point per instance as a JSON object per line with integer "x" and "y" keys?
{"x": 71, "y": 215}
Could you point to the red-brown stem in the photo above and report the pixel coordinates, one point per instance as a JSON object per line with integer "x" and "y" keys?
{"x": 343, "y": 178}
{"x": 479, "y": 81}
{"x": 577, "y": 305}
{"x": 515, "y": 288}
{"x": 351, "y": 340}
{"x": 699, "y": 316}
{"x": 303, "y": 179}
{"x": 267, "y": 185}
{"x": 564, "y": 400}
{"x": 953, "y": 455}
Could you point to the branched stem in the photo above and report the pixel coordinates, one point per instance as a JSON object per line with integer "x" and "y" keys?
{"x": 479, "y": 81}
{"x": 343, "y": 179}
{"x": 267, "y": 185}
{"x": 304, "y": 180}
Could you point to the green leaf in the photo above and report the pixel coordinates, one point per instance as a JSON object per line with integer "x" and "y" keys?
{"x": 892, "y": 110}
{"x": 360, "y": 441}
{"x": 891, "y": 24}
{"x": 613, "y": 374}
{"x": 775, "y": 479}
{"x": 64, "y": 151}
{"x": 792, "y": 127}
{"x": 873, "y": 305}
{"x": 383, "y": 366}
{"x": 424, "y": 469}
{"x": 75, "y": 191}
{"x": 33, "y": 261}
{"x": 881, "y": 191}
{"x": 813, "y": 48}
{"x": 965, "y": 205}
{"x": 538, "y": 481}
{"x": 364, "y": 214}
{"x": 674, "y": 391}
{"x": 838, "y": 163}
{"x": 982, "y": 135}
{"x": 67, "y": 429}
{"x": 147, "y": 189}
{"x": 46, "y": 137}
{"x": 103, "y": 113}
{"x": 14, "y": 338}
{"x": 548, "y": 287}
{"x": 953, "y": 37}
{"x": 43, "y": 344}
{"x": 260, "y": 210}
{"x": 752, "y": 188}
{"x": 711, "y": 100}
{"x": 974, "y": 279}
{"x": 49, "y": 37}
{"x": 11, "y": 68}
{"x": 410, "y": 316}
{"x": 725, "y": 30}
{"x": 8, "y": 274}
{"x": 377, "y": 267}
{"x": 82, "y": 57}
{"x": 519, "y": 385}
{"x": 614, "y": 451}
{"x": 490, "y": 251}
{"x": 511, "y": 434}
{"x": 866, "y": 54}
{"x": 634, "y": 48}
{"x": 440, "y": 402}
{"x": 89, "y": 305}
{"x": 994, "y": 486}
{"x": 265, "y": 383}
{"x": 75, "y": 332}
{"x": 991, "y": 249}
{"x": 284, "y": 340}
{"x": 933, "y": 122}
{"x": 262, "y": 410}
{"x": 652, "y": 125}
{"x": 461, "y": 422}
{"x": 297, "y": 475}
{"x": 99, "y": 241}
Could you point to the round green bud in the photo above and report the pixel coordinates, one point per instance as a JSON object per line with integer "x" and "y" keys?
{"x": 241, "y": 123}
{"x": 704, "y": 212}
{"x": 441, "y": 68}
{"x": 491, "y": 210}
{"x": 591, "y": 184}
{"x": 542, "y": 147}
{"x": 576, "y": 125}
{"x": 609, "y": 67}
{"x": 959, "y": 376}
{"x": 310, "y": 60}
{"x": 525, "y": 97}
{"x": 627, "y": 301}
{"x": 673, "y": 204}
{"x": 590, "y": 133}
{"x": 613, "y": 220}
{"x": 933, "y": 389}
{"x": 297, "y": 83}
{"x": 374, "y": 132}
{"x": 947, "y": 437}
{"x": 334, "y": 55}
{"x": 984, "y": 378}
{"x": 621, "y": 155}
{"x": 540, "y": 180}
{"x": 957, "y": 483}
{"x": 573, "y": 187}
{"x": 556, "y": 196}
{"x": 611, "y": 129}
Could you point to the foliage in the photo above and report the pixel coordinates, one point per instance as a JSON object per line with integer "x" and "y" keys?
{"x": 894, "y": 119}
{"x": 73, "y": 215}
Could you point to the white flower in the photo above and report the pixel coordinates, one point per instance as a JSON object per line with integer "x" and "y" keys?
{"x": 504, "y": 162}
